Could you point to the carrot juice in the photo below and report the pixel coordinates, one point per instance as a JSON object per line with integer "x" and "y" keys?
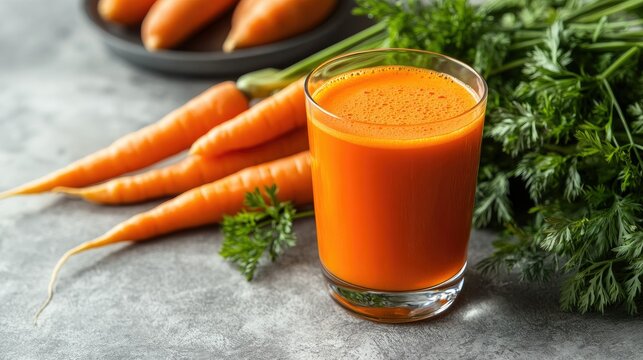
{"x": 395, "y": 152}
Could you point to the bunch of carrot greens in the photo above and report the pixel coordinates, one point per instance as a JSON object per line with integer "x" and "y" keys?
{"x": 561, "y": 169}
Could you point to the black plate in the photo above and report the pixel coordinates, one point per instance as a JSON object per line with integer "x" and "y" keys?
{"x": 202, "y": 54}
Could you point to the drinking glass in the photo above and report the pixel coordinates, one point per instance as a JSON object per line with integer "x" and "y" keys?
{"x": 393, "y": 207}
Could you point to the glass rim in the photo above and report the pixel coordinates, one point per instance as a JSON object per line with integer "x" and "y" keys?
{"x": 478, "y": 103}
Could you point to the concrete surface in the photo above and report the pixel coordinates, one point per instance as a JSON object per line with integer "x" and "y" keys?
{"x": 62, "y": 96}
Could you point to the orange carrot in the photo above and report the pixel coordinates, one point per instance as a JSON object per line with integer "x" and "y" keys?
{"x": 257, "y": 22}
{"x": 193, "y": 171}
{"x": 204, "y": 205}
{"x": 171, "y": 135}
{"x": 169, "y": 22}
{"x": 272, "y": 117}
{"x": 124, "y": 12}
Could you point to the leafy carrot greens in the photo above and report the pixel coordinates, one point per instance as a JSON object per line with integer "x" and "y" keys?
{"x": 267, "y": 226}
{"x": 561, "y": 169}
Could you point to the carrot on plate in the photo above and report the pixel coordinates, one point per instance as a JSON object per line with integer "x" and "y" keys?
{"x": 258, "y": 22}
{"x": 124, "y": 12}
{"x": 172, "y": 134}
{"x": 205, "y": 205}
{"x": 270, "y": 118}
{"x": 189, "y": 173}
{"x": 169, "y": 22}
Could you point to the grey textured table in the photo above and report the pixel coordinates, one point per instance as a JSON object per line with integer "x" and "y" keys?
{"x": 62, "y": 96}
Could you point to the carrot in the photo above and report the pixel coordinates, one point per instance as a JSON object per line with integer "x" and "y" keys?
{"x": 191, "y": 172}
{"x": 169, "y": 22}
{"x": 257, "y": 22}
{"x": 171, "y": 135}
{"x": 204, "y": 205}
{"x": 276, "y": 115}
{"x": 124, "y": 12}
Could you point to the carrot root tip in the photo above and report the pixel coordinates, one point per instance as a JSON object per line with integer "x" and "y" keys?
{"x": 152, "y": 43}
{"x": 52, "y": 281}
{"x": 54, "y": 276}
{"x": 106, "y": 9}
{"x": 68, "y": 190}
{"x": 8, "y": 194}
{"x": 194, "y": 151}
{"x": 229, "y": 45}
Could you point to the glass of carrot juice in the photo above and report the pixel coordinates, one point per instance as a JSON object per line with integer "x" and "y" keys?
{"x": 395, "y": 139}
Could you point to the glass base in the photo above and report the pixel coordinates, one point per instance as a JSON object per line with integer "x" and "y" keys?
{"x": 395, "y": 306}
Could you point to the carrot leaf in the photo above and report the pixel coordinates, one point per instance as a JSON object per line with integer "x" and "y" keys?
{"x": 266, "y": 225}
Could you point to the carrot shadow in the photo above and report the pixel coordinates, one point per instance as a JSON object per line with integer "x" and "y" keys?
{"x": 112, "y": 259}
